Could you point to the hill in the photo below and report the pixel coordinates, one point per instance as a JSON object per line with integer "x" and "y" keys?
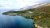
{"x": 41, "y": 15}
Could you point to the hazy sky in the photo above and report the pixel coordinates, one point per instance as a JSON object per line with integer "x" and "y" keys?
{"x": 16, "y": 4}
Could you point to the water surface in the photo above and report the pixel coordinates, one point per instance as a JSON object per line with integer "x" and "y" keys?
{"x": 7, "y": 21}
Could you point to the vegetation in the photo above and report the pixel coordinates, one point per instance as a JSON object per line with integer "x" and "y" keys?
{"x": 41, "y": 15}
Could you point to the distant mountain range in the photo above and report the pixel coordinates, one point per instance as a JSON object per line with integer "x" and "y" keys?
{"x": 25, "y": 8}
{"x": 33, "y": 6}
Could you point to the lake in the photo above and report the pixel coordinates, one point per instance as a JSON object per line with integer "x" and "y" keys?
{"x": 7, "y": 21}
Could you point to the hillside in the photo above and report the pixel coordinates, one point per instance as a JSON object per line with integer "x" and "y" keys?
{"x": 41, "y": 15}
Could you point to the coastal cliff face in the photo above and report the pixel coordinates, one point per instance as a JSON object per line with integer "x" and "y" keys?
{"x": 41, "y": 15}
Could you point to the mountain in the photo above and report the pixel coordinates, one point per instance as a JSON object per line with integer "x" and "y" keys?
{"x": 32, "y": 6}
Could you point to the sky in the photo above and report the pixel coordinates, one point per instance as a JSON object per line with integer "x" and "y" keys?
{"x": 17, "y": 4}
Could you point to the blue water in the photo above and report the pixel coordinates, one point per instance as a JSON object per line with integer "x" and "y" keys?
{"x": 7, "y": 21}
